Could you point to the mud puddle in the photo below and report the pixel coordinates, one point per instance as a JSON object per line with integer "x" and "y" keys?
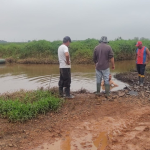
{"x": 103, "y": 133}
{"x": 91, "y": 135}
{"x": 82, "y": 143}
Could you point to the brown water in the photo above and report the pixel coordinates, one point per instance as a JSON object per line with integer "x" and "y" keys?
{"x": 18, "y": 76}
{"x": 70, "y": 143}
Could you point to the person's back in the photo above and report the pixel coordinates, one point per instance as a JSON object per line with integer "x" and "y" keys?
{"x": 103, "y": 53}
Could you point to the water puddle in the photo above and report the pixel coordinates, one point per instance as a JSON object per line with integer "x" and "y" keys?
{"x": 101, "y": 141}
{"x": 81, "y": 143}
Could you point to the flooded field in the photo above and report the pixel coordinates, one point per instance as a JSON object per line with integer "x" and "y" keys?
{"x": 16, "y": 76}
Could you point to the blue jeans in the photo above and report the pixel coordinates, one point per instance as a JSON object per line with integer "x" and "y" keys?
{"x": 104, "y": 74}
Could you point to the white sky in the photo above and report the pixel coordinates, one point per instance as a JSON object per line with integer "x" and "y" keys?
{"x": 23, "y": 20}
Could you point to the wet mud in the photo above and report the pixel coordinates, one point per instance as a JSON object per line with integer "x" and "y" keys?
{"x": 88, "y": 122}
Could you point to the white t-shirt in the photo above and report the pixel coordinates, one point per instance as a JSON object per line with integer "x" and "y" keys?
{"x": 61, "y": 56}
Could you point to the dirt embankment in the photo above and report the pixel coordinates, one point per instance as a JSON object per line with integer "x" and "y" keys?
{"x": 54, "y": 60}
{"x": 32, "y": 60}
{"x": 87, "y": 122}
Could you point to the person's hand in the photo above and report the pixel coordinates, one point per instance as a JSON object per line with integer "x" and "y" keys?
{"x": 146, "y": 63}
{"x": 68, "y": 63}
{"x": 113, "y": 67}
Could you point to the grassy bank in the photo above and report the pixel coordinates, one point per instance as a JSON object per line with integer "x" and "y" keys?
{"x": 45, "y": 52}
{"x": 21, "y": 106}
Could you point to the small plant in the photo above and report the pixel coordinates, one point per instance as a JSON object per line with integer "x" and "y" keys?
{"x": 28, "y": 107}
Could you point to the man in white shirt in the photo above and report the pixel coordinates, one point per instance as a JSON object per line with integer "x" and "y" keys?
{"x": 65, "y": 68}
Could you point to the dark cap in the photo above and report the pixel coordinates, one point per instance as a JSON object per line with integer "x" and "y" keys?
{"x": 66, "y": 39}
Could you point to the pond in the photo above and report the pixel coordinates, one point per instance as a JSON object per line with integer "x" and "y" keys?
{"x": 14, "y": 77}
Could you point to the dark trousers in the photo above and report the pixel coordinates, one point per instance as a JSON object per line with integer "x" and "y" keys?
{"x": 141, "y": 69}
{"x": 65, "y": 78}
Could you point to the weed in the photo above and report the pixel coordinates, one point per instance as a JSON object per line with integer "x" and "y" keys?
{"x": 29, "y": 106}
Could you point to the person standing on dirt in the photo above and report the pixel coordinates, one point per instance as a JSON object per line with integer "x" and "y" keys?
{"x": 142, "y": 59}
{"x": 102, "y": 55}
{"x": 65, "y": 68}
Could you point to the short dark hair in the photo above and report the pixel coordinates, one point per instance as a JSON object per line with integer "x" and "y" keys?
{"x": 66, "y": 39}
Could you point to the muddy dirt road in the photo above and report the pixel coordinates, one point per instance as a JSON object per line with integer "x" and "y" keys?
{"x": 85, "y": 123}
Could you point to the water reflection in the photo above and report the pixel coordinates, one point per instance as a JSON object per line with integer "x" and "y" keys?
{"x": 18, "y": 76}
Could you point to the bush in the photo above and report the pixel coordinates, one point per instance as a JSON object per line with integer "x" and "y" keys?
{"x": 28, "y": 107}
{"x": 83, "y": 56}
{"x": 80, "y": 51}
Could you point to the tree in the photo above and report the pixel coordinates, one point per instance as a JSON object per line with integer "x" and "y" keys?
{"x": 2, "y": 41}
{"x": 142, "y": 38}
{"x": 136, "y": 38}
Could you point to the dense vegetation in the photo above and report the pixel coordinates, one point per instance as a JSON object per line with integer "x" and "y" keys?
{"x": 26, "y": 105}
{"x": 81, "y": 51}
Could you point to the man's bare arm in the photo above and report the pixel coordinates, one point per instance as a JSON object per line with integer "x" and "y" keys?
{"x": 112, "y": 82}
{"x": 147, "y": 56}
{"x": 112, "y": 62}
{"x": 67, "y": 58}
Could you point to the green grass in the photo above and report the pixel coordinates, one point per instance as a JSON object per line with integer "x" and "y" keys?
{"x": 81, "y": 51}
{"x": 29, "y": 106}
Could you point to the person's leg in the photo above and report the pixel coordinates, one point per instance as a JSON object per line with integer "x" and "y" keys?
{"x": 139, "y": 72}
{"x": 142, "y": 70}
{"x": 61, "y": 82}
{"x": 98, "y": 81}
{"x": 106, "y": 80}
{"x": 67, "y": 81}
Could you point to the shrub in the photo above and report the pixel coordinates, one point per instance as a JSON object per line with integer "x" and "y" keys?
{"x": 28, "y": 107}
{"x": 42, "y": 49}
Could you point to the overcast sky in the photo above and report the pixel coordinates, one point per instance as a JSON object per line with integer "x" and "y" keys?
{"x": 23, "y": 20}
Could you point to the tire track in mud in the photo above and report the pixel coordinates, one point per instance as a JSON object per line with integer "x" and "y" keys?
{"x": 136, "y": 136}
{"x": 86, "y": 123}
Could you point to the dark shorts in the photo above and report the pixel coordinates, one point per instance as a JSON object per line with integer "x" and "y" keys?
{"x": 65, "y": 77}
{"x": 140, "y": 68}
